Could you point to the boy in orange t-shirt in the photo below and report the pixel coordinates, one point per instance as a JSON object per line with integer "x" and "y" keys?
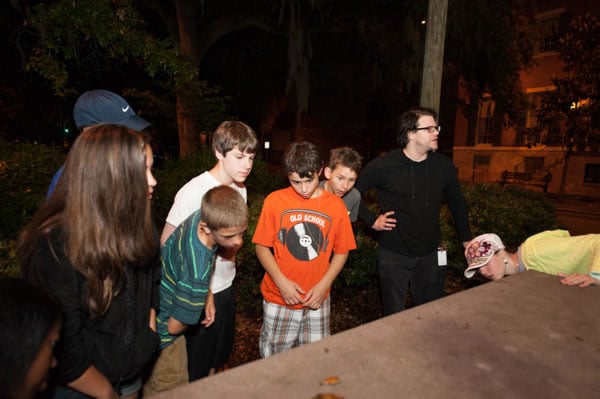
{"x": 302, "y": 239}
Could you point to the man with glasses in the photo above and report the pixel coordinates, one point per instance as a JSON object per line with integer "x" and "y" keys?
{"x": 411, "y": 183}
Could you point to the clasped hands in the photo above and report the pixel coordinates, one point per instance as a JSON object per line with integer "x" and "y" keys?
{"x": 293, "y": 294}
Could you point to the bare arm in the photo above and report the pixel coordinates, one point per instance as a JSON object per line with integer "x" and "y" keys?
{"x": 152, "y": 323}
{"x": 209, "y": 310}
{"x": 93, "y": 383}
{"x": 291, "y": 292}
{"x": 175, "y": 327}
{"x": 167, "y": 231}
{"x": 316, "y": 295}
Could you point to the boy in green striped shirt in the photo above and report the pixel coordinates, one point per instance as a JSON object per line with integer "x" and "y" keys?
{"x": 187, "y": 259}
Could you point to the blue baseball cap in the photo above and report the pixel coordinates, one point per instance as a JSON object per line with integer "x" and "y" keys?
{"x": 103, "y": 106}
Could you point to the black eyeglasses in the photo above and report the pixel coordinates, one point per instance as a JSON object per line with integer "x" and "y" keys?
{"x": 430, "y": 129}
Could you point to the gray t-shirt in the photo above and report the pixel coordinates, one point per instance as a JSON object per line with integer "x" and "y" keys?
{"x": 351, "y": 199}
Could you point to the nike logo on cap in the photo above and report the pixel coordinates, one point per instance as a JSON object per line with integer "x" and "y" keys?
{"x": 125, "y": 109}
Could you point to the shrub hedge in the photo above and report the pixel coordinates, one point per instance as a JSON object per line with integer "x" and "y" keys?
{"x": 26, "y": 169}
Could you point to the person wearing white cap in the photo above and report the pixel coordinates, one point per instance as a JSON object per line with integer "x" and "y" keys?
{"x": 101, "y": 106}
{"x": 576, "y": 259}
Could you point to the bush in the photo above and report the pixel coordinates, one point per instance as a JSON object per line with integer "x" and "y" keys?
{"x": 360, "y": 270}
{"x": 26, "y": 170}
{"x": 263, "y": 180}
{"x": 8, "y": 259}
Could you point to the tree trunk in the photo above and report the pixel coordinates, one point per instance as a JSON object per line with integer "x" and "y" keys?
{"x": 188, "y": 132}
{"x": 433, "y": 63}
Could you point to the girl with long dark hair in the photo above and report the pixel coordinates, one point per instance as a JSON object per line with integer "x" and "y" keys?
{"x": 94, "y": 248}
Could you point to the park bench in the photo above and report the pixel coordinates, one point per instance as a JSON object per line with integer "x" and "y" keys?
{"x": 526, "y": 179}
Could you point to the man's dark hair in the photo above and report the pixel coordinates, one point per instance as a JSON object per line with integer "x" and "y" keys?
{"x": 408, "y": 121}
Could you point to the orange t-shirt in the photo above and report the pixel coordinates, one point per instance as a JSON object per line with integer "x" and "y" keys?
{"x": 303, "y": 234}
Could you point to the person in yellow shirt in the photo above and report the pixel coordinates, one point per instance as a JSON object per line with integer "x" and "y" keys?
{"x": 576, "y": 259}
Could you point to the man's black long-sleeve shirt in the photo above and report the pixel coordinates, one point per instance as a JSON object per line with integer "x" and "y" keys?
{"x": 415, "y": 192}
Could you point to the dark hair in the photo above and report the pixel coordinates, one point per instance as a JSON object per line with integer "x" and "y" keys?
{"x": 345, "y": 156}
{"x": 302, "y": 158}
{"x": 231, "y": 133}
{"x": 27, "y": 315}
{"x": 102, "y": 207}
{"x": 408, "y": 121}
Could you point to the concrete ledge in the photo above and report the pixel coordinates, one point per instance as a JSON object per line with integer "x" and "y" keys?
{"x": 525, "y": 336}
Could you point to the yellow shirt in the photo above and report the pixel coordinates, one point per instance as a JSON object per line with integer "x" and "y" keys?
{"x": 556, "y": 251}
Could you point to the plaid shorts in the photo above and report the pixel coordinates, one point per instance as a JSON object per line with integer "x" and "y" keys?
{"x": 284, "y": 328}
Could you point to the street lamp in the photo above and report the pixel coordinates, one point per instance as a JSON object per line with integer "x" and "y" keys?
{"x": 267, "y": 146}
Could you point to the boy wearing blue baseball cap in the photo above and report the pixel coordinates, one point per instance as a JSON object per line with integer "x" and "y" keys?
{"x": 101, "y": 106}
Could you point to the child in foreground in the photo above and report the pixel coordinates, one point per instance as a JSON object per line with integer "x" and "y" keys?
{"x": 303, "y": 237}
{"x": 188, "y": 258}
{"x": 97, "y": 255}
{"x": 234, "y": 145}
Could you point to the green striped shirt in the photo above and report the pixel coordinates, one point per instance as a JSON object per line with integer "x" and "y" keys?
{"x": 186, "y": 269}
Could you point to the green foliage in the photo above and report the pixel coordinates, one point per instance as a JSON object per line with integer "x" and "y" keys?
{"x": 576, "y": 100}
{"x": 81, "y": 42}
{"x": 511, "y": 212}
{"x": 87, "y": 37}
{"x": 360, "y": 270}
{"x": 262, "y": 180}
{"x": 25, "y": 173}
{"x": 26, "y": 170}
{"x": 8, "y": 259}
{"x": 249, "y": 270}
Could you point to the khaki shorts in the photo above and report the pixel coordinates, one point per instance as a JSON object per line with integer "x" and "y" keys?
{"x": 170, "y": 369}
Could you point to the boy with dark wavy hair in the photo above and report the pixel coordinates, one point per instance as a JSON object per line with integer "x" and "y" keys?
{"x": 303, "y": 238}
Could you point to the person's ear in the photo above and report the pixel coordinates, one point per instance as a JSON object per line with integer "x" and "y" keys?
{"x": 204, "y": 227}
{"x": 327, "y": 172}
